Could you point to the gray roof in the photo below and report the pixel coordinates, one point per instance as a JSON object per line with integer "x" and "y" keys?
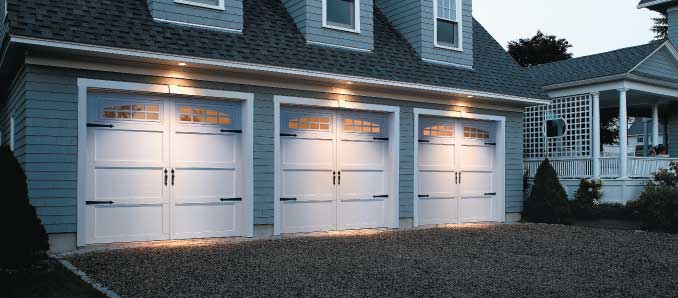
{"x": 595, "y": 66}
{"x": 637, "y": 128}
{"x": 653, "y": 4}
{"x": 270, "y": 37}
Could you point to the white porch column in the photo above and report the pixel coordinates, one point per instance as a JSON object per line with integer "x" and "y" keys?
{"x": 623, "y": 135}
{"x": 595, "y": 134}
{"x": 655, "y": 125}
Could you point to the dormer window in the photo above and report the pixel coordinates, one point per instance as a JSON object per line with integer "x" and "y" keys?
{"x": 342, "y": 15}
{"x": 213, "y": 4}
{"x": 447, "y": 14}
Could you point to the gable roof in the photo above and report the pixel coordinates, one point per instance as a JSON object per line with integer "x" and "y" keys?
{"x": 653, "y": 3}
{"x": 270, "y": 37}
{"x": 606, "y": 64}
{"x": 637, "y": 128}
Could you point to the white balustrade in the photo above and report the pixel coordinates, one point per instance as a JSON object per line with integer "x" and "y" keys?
{"x": 609, "y": 167}
{"x": 644, "y": 167}
{"x": 565, "y": 168}
{"x": 568, "y": 168}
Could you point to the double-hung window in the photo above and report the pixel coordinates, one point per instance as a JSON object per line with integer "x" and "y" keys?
{"x": 448, "y": 23}
{"x": 342, "y": 14}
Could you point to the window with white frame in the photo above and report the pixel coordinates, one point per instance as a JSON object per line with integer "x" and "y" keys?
{"x": 205, "y": 115}
{"x": 447, "y": 23}
{"x": 213, "y": 4}
{"x": 319, "y": 122}
{"x": 362, "y": 126}
{"x": 342, "y": 14}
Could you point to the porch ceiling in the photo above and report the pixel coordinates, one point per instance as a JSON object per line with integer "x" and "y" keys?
{"x": 636, "y": 100}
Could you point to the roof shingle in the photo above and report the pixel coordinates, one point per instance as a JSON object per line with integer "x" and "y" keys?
{"x": 270, "y": 37}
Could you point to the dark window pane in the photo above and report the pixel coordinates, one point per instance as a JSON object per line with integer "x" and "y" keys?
{"x": 341, "y": 13}
{"x": 555, "y": 128}
{"x": 447, "y": 33}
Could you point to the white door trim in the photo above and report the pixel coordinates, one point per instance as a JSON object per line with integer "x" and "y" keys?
{"x": 500, "y": 152}
{"x": 86, "y": 85}
{"x": 394, "y": 146}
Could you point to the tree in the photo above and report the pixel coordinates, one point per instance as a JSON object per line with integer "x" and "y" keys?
{"x": 539, "y": 49}
{"x": 547, "y": 202}
{"x": 660, "y": 27}
{"x": 24, "y": 237}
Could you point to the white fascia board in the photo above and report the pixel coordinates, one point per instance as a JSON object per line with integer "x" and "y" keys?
{"x": 195, "y": 61}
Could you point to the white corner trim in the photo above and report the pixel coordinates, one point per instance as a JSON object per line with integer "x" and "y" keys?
{"x": 272, "y": 69}
{"x": 394, "y": 148}
{"x": 331, "y": 45}
{"x": 357, "y": 19}
{"x": 224, "y": 29}
{"x": 219, "y": 6}
{"x": 501, "y": 152}
{"x": 447, "y": 63}
{"x": 85, "y": 85}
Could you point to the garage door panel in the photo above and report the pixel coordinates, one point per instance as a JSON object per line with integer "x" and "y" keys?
{"x": 307, "y": 153}
{"x": 128, "y": 223}
{"x": 361, "y": 214}
{"x": 198, "y": 185}
{"x": 354, "y": 186}
{"x": 437, "y": 184}
{"x": 128, "y": 146}
{"x": 363, "y": 154}
{"x": 299, "y": 217}
{"x": 307, "y": 185}
{"x": 438, "y": 210}
{"x": 436, "y": 157}
{"x": 214, "y": 220}
{"x": 477, "y": 158}
{"x": 128, "y": 184}
{"x": 206, "y": 148}
{"x": 477, "y": 209}
{"x": 477, "y": 183}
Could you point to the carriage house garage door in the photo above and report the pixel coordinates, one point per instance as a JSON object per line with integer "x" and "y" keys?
{"x": 335, "y": 170}
{"x": 457, "y": 174}
{"x": 162, "y": 168}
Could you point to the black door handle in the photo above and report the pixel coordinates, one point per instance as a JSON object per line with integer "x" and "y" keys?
{"x": 165, "y": 177}
{"x": 334, "y": 178}
{"x": 423, "y": 196}
{"x": 459, "y": 177}
{"x": 288, "y": 135}
{"x": 172, "y": 177}
{"x": 380, "y": 139}
{"x": 287, "y": 199}
{"x": 232, "y": 130}
{"x": 490, "y": 193}
{"x": 98, "y": 202}
{"x": 424, "y": 141}
{"x": 231, "y": 199}
{"x": 380, "y": 196}
{"x": 339, "y": 178}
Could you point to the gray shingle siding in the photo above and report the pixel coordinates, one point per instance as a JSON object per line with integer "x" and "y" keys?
{"x": 659, "y": 65}
{"x": 49, "y": 150}
{"x": 230, "y": 18}
{"x": 414, "y": 19}
{"x": 307, "y": 14}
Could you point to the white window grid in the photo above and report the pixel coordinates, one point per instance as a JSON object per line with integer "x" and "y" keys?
{"x": 205, "y": 115}
{"x": 476, "y": 133}
{"x": 575, "y": 143}
{"x": 131, "y": 111}
{"x": 319, "y": 122}
{"x": 361, "y": 125}
{"x": 437, "y": 128}
{"x": 447, "y": 10}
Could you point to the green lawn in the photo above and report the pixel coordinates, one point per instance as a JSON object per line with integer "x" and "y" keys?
{"x": 55, "y": 282}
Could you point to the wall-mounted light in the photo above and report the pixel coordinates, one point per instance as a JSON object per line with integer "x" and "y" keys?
{"x": 469, "y": 96}
{"x": 181, "y": 64}
{"x": 349, "y": 83}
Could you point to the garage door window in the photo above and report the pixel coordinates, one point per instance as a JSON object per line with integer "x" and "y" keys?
{"x": 441, "y": 130}
{"x": 203, "y": 115}
{"x": 136, "y": 112}
{"x": 476, "y": 133}
{"x": 362, "y": 126}
{"x": 309, "y": 122}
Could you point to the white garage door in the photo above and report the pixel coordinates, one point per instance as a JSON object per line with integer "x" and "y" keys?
{"x": 334, "y": 170}
{"x": 457, "y": 182}
{"x": 161, "y": 168}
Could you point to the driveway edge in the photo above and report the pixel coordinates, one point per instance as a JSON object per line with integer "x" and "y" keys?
{"x": 99, "y": 287}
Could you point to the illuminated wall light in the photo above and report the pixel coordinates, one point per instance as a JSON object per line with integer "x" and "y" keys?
{"x": 182, "y": 64}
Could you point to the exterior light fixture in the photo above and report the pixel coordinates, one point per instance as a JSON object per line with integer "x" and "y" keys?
{"x": 181, "y": 64}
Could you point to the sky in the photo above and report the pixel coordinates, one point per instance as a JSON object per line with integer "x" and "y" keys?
{"x": 591, "y": 26}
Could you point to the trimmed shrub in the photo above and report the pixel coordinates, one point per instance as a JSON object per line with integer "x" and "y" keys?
{"x": 658, "y": 204}
{"x": 547, "y": 202}
{"x": 24, "y": 238}
{"x": 586, "y": 198}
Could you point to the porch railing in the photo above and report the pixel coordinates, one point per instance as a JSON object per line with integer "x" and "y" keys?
{"x": 568, "y": 168}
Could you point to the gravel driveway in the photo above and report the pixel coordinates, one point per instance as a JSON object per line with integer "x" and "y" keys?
{"x": 471, "y": 261}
